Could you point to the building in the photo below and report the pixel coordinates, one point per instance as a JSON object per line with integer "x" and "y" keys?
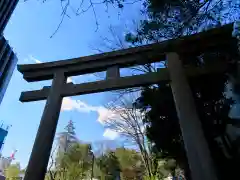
{"x": 8, "y": 59}
{"x": 8, "y": 62}
{"x": 6, "y": 9}
{"x": 4, "y": 163}
{"x": 3, "y": 134}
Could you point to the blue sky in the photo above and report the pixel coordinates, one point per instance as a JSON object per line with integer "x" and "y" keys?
{"x": 29, "y": 32}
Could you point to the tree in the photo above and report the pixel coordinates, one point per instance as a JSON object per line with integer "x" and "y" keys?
{"x": 128, "y": 122}
{"x": 109, "y": 166}
{"x": 131, "y": 163}
{"x": 67, "y": 138}
{"x": 213, "y": 109}
{"x": 128, "y": 158}
{"x": 165, "y": 19}
{"x": 76, "y": 163}
{"x": 70, "y": 159}
{"x": 171, "y": 19}
{"x": 162, "y": 124}
{"x": 52, "y": 165}
{"x": 103, "y": 146}
{"x": 13, "y": 172}
{"x": 81, "y": 7}
{"x": 128, "y": 164}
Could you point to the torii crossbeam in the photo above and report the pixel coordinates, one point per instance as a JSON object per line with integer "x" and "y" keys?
{"x": 198, "y": 154}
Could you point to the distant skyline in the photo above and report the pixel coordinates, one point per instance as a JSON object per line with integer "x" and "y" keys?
{"x": 29, "y": 32}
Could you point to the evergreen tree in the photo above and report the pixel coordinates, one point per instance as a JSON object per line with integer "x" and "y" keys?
{"x": 67, "y": 138}
{"x": 168, "y": 19}
{"x": 70, "y": 128}
{"x": 213, "y": 109}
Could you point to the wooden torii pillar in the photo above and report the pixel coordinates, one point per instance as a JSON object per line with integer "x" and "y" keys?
{"x": 198, "y": 154}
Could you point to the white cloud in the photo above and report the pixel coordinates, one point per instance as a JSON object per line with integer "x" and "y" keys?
{"x": 70, "y": 104}
{"x": 34, "y": 59}
{"x": 104, "y": 114}
{"x": 31, "y": 59}
{"x": 110, "y": 134}
{"x": 37, "y": 61}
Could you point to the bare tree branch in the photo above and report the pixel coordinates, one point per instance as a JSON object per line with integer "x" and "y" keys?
{"x": 52, "y": 164}
{"x": 64, "y": 13}
{"x": 128, "y": 122}
{"x": 94, "y": 12}
{"x": 80, "y": 9}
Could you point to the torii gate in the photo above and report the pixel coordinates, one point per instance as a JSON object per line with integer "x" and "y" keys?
{"x": 199, "y": 158}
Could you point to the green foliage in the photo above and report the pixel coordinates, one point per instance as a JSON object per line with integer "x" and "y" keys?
{"x": 126, "y": 163}
{"x": 76, "y": 162}
{"x": 66, "y": 138}
{"x": 109, "y": 166}
{"x": 73, "y": 160}
{"x": 131, "y": 163}
{"x": 212, "y": 106}
{"x": 167, "y": 19}
{"x": 162, "y": 122}
{"x": 128, "y": 158}
{"x": 13, "y": 172}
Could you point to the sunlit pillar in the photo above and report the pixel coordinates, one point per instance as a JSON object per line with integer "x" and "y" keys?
{"x": 38, "y": 162}
{"x": 198, "y": 154}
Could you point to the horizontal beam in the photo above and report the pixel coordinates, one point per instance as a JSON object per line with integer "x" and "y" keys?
{"x": 100, "y": 86}
{"x": 128, "y": 57}
{"x": 95, "y": 66}
{"x": 120, "y": 83}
